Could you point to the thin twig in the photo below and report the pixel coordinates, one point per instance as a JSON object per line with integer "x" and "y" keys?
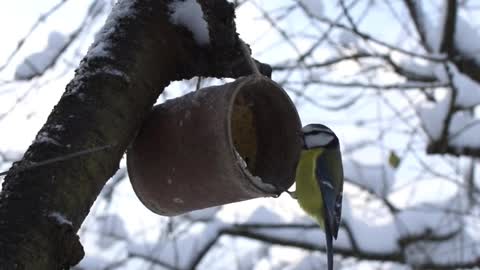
{"x": 57, "y": 159}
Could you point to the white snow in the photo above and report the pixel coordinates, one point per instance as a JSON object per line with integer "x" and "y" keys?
{"x": 466, "y": 38}
{"x": 43, "y": 137}
{"x": 441, "y": 220}
{"x": 312, "y": 7}
{"x": 466, "y": 35}
{"x": 11, "y": 155}
{"x": 101, "y": 46}
{"x": 112, "y": 227}
{"x": 441, "y": 72}
{"x": 256, "y": 180}
{"x": 433, "y": 33}
{"x": 463, "y": 127}
{"x": 366, "y": 235}
{"x": 433, "y": 116}
{"x": 189, "y": 14}
{"x": 377, "y": 179}
{"x": 60, "y": 218}
{"x": 432, "y": 27}
{"x": 311, "y": 261}
{"x": 264, "y": 215}
{"x": 410, "y": 222}
{"x": 468, "y": 91}
{"x": 241, "y": 161}
{"x": 93, "y": 261}
{"x": 348, "y": 40}
{"x": 112, "y": 224}
{"x": 462, "y": 247}
{"x": 417, "y": 220}
{"x": 204, "y": 214}
{"x": 190, "y": 243}
{"x": 424, "y": 69}
{"x": 36, "y": 63}
{"x": 464, "y": 130}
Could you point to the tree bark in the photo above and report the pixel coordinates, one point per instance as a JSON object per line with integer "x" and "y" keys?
{"x": 42, "y": 207}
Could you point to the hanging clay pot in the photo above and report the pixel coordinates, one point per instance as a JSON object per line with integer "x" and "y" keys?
{"x": 217, "y": 145}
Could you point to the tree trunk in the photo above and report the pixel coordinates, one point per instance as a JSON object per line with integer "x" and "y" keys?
{"x": 137, "y": 53}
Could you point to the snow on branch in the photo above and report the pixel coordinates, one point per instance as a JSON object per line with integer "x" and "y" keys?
{"x": 37, "y": 63}
{"x": 450, "y": 124}
{"x": 103, "y": 43}
{"x": 466, "y": 37}
{"x": 198, "y": 240}
{"x": 312, "y": 7}
{"x": 377, "y": 179}
{"x": 189, "y": 14}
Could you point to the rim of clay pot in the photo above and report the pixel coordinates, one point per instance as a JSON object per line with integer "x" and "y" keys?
{"x": 244, "y": 86}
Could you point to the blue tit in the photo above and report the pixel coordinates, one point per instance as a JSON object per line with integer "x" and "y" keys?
{"x": 319, "y": 180}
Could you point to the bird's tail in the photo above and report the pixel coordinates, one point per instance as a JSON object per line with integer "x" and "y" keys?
{"x": 329, "y": 238}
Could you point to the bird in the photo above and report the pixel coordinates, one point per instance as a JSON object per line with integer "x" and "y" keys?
{"x": 319, "y": 181}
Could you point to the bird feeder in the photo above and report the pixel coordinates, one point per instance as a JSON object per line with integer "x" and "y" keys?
{"x": 217, "y": 145}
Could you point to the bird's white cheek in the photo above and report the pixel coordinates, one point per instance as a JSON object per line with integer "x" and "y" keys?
{"x": 317, "y": 140}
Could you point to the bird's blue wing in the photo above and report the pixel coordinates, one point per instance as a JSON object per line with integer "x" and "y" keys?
{"x": 329, "y": 173}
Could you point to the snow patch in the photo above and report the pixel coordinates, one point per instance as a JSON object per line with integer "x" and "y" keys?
{"x": 464, "y": 130}
{"x": 264, "y": 215}
{"x": 60, "y": 218}
{"x": 37, "y": 63}
{"x": 189, "y": 14}
{"x": 463, "y": 127}
{"x": 468, "y": 91}
{"x": 191, "y": 242}
{"x": 433, "y": 31}
{"x": 423, "y": 69}
{"x": 466, "y": 39}
{"x": 44, "y": 137}
{"x": 433, "y": 117}
{"x": 377, "y": 179}
{"x": 256, "y": 180}
{"x": 348, "y": 40}
{"x": 102, "y": 44}
{"x": 112, "y": 227}
{"x": 313, "y": 7}
{"x": 204, "y": 214}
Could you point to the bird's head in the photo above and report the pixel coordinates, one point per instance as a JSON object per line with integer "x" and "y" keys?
{"x": 319, "y": 136}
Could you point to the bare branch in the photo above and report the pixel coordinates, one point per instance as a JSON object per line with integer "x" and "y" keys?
{"x": 447, "y": 44}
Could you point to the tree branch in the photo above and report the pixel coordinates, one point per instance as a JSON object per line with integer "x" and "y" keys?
{"x": 415, "y": 10}
{"x": 447, "y": 44}
{"x": 137, "y": 53}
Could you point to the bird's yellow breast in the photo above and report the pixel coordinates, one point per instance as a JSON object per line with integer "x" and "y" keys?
{"x": 308, "y": 192}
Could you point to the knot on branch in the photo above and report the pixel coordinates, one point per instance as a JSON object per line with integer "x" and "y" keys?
{"x": 69, "y": 251}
